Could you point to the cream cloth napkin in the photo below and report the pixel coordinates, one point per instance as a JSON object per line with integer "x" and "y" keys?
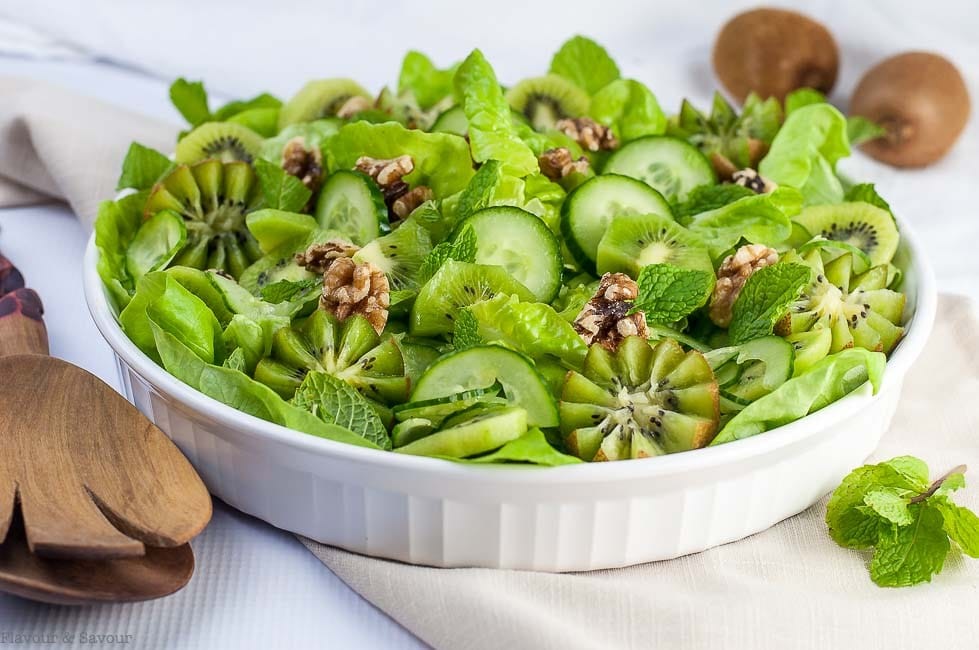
{"x": 788, "y": 587}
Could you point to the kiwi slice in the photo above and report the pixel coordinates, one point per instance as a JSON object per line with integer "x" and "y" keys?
{"x": 318, "y": 99}
{"x": 857, "y": 309}
{"x": 483, "y": 431}
{"x": 350, "y": 350}
{"x": 454, "y": 286}
{"x": 399, "y": 254}
{"x": 634, "y": 241}
{"x": 224, "y": 141}
{"x": 869, "y": 228}
{"x": 545, "y": 100}
{"x": 280, "y": 263}
{"x": 213, "y": 198}
{"x": 809, "y": 347}
{"x": 641, "y": 400}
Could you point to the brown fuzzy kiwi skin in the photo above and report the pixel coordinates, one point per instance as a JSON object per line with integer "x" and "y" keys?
{"x": 773, "y": 52}
{"x": 922, "y": 101}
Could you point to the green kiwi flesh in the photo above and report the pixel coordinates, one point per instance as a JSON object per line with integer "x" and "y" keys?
{"x": 399, "y": 254}
{"x": 865, "y": 226}
{"x": 224, "y": 141}
{"x": 641, "y": 400}
{"x": 634, "y": 241}
{"x": 545, "y": 100}
{"x": 213, "y": 198}
{"x": 319, "y": 99}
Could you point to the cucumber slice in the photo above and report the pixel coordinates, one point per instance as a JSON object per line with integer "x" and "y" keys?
{"x": 669, "y": 165}
{"x": 352, "y": 203}
{"x": 484, "y": 432}
{"x": 410, "y": 430}
{"x": 451, "y": 121}
{"x": 589, "y": 209}
{"x": 766, "y": 364}
{"x": 484, "y": 365}
{"x": 436, "y": 410}
{"x": 522, "y": 244}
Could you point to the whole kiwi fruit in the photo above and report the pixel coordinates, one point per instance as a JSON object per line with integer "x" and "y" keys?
{"x": 922, "y": 101}
{"x": 773, "y": 52}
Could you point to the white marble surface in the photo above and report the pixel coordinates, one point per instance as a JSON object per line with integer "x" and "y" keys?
{"x": 256, "y": 586}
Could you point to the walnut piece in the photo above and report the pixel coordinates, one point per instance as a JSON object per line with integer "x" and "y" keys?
{"x": 406, "y": 203}
{"x": 557, "y": 163}
{"x": 588, "y": 133}
{"x": 305, "y": 164}
{"x": 350, "y": 288}
{"x": 319, "y": 257}
{"x": 731, "y": 276}
{"x": 388, "y": 171}
{"x": 352, "y": 106}
{"x": 606, "y": 319}
{"x": 754, "y": 181}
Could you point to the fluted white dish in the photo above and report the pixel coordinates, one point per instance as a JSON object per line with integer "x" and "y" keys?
{"x": 571, "y": 518}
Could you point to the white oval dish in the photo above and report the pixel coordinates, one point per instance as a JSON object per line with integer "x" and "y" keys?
{"x": 571, "y": 518}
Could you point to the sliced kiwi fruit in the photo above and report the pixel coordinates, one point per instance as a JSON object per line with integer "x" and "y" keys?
{"x": 545, "y": 100}
{"x": 454, "y": 286}
{"x": 213, "y": 198}
{"x": 634, "y": 241}
{"x": 857, "y": 309}
{"x": 810, "y": 347}
{"x": 641, "y": 400}
{"x": 399, "y": 254}
{"x": 350, "y": 350}
{"x": 318, "y": 99}
{"x": 224, "y": 141}
{"x": 869, "y": 228}
{"x": 482, "y": 431}
{"x": 280, "y": 263}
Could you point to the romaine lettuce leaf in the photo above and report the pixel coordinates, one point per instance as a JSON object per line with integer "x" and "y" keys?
{"x": 427, "y": 83}
{"x": 824, "y": 383}
{"x": 585, "y": 63}
{"x": 441, "y": 159}
{"x": 532, "y": 328}
{"x": 491, "y": 130}
{"x": 804, "y": 153}
{"x": 629, "y": 108}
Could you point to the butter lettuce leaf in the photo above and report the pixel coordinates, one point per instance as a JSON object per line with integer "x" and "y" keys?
{"x": 116, "y": 224}
{"x": 585, "y": 63}
{"x": 533, "y": 328}
{"x": 827, "y": 381}
{"x": 761, "y": 218}
{"x": 491, "y": 130}
{"x": 142, "y": 167}
{"x": 427, "y": 83}
{"x": 629, "y": 108}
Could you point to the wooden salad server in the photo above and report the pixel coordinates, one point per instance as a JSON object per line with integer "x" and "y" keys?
{"x": 107, "y": 501}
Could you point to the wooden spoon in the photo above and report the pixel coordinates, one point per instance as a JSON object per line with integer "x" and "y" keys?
{"x": 97, "y": 483}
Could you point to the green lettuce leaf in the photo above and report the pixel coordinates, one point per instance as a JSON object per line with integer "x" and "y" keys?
{"x": 803, "y": 97}
{"x": 629, "y": 108}
{"x": 705, "y": 198}
{"x": 286, "y": 290}
{"x": 668, "y": 293}
{"x": 532, "y": 447}
{"x": 827, "y": 381}
{"x": 156, "y": 243}
{"x": 441, "y": 159}
{"x": 116, "y": 224}
{"x": 586, "y": 63}
{"x": 142, "y": 167}
{"x": 761, "y": 218}
{"x": 190, "y": 100}
{"x": 315, "y": 135}
{"x": 237, "y": 107}
{"x": 858, "y": 129}
{"x": 804, "y": 153}
{"x": 429, "y": 84}
{"x": 280, "y": 190}
{"x": 462, "y": 248}
{"x": 867, "y": 193}
{"x": 491, "y": 131}
{"x": 765, "y": 298}
{"x": 249, "y": 339}
{"x": 532, "y": 328}
{"x": 336, "y": 402}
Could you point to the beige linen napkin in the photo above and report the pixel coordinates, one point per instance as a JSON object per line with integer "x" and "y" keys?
{"x": 788, "y": 587}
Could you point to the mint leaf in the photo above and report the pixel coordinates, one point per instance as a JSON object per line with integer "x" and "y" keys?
{"x": 142, "y": 167}
{"x": 190, "y": 99}
{"x": 336, "y": 402}
{"x": 765, "y": 298}
{"x": 460, "y": 249}
{"x": 238, "y": 106}
{"x": 890, "y": 504}
{"x": 668, "y": 293}
{"x": 709, "y": 197}
{"x": 287, "y": 290}
{"x": 280, "y": 190}
{"x": 961, "y": 524}
{"x": 912, "y": 471}
{"x": 491, "y": 132}
{"x": 466, "y": 333}
{"x": 860, "y": 129}
{"x": 850, "y": 525}
{"x": 479, "y": 192}
{"x": 586, "y": 63}
{"x": 427, "y": 83}
{"x": 911, "y": 554}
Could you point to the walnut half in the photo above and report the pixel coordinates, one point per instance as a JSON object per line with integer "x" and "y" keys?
{"x": 350, "y": 288}
{"x": 558, "y": 163}
{"x": 606, "y": 319}
{"x": 731, "y": 276}
{"x": 588, "y": 133}
{"x": 319, "y": 257}
{"x": 305, "y": 164}
{"x": 388, "y": 174}
{"x": 754, "y": 181}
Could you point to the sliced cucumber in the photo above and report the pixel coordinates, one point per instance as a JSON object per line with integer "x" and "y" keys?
{"x": 484, "y": 365}
{"x": 351, "y": 203}
{"x": 522, "y": 244}
{"x": 765, "y": 364}
{"x": 589, "y": 209}
{"x": 436, "y": 410}
{"x": 483, "y": 432}
{"x": 410, "y": 430}
{"x": 452, "y": 120}
{"x": 669, "y": 165}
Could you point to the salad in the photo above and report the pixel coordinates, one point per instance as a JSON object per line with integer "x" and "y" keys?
{"x": 550, "y": 272}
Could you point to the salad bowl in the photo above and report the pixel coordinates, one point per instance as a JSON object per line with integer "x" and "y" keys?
{"x": 570, "y": 518}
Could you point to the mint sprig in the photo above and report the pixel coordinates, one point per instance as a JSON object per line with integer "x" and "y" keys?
{"x": 479, "y": 192}
{"x": 765, "y": 298}
{"x": 461, "y": 249}
{"x": 142, "y": 167}
{"x": 909, "y": 522}
{"x": 336, "y": 402}
{"x": 280, "y": 190}
{"x": 668, "y": 293}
